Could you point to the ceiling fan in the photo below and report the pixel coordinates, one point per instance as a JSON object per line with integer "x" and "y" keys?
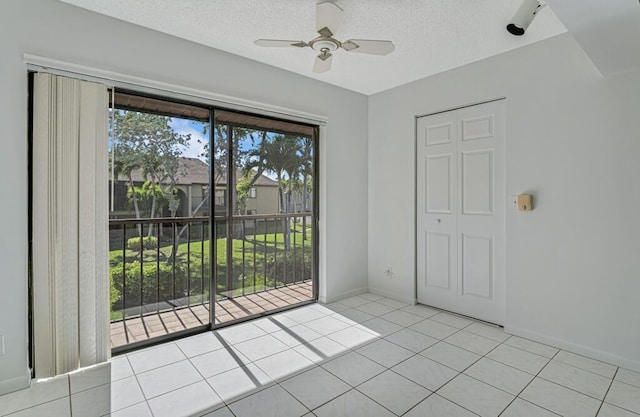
{"x": 328, "y": 18}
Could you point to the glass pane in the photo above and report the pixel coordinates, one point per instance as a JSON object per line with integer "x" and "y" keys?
{"x": 158, "y": 224}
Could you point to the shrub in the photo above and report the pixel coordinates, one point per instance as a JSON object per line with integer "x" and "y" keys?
{"x": 149, "y": 242}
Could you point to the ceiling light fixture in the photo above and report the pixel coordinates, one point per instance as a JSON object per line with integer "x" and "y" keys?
{"x": 524, "y": 16}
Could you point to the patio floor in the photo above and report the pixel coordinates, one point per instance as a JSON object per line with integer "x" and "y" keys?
{"x": 137, "y": 329}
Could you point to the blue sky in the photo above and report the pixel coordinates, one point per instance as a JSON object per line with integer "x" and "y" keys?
{"x": 184, "y": 126}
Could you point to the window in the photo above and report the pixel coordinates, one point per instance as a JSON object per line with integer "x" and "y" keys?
{"x": 253, "y": 192}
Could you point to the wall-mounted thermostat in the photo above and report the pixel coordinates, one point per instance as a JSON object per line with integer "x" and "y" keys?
{"x": 524, "y": 202}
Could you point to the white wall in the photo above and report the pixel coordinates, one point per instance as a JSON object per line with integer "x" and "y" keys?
{"x": 56, "y": 30}
{"x": 573, "y": 264}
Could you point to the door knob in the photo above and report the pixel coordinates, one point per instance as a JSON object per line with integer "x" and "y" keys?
{"x": 439, "y": 220}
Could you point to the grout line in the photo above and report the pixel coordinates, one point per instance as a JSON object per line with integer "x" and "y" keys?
{"x": 608, "y": 389}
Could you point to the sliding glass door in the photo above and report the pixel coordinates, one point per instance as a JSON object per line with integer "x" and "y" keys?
{"x": 212, "y": 217}
{"x": 264, "y": 227}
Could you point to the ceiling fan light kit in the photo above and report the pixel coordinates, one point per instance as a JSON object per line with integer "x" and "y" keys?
{"x": 328, "y": 19}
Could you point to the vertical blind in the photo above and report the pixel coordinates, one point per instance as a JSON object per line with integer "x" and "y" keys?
{"x": 70, "y": 229}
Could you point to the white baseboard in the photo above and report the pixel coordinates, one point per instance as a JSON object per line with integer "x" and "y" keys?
{"x": 611, "y": 358}
{"x": 16, "y": 384}
{"x": 394, "y": 296}
{"x": 346, "y": 294}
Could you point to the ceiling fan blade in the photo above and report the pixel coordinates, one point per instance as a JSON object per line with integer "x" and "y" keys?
{"x": 367, "y": 46}
{"x": 328, "y": 18}
{"x": 279, "y": 43}
{"x": 322, "y": 63}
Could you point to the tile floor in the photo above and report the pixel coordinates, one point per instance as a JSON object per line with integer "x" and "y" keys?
{"x": 362, "y": 356}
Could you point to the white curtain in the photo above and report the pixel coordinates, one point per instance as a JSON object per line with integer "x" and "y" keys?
{"x": 70, "y": 224}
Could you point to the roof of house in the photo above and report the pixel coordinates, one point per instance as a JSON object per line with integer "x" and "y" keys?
{"x": 196, "y": 171}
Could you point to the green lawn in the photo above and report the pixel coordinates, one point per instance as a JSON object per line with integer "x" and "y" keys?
{"x": 165, "y": 278}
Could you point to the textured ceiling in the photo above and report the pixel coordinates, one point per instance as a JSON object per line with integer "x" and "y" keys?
{"x": 430, "y": 36}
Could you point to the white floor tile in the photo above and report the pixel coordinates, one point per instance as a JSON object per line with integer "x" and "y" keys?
{"x": 434, "y": 329}
{"x": 296, "y": 335}
{"x": 336, "y": 307}
{"x": 452, "y": 320}
{"x": 351, "y": 404}
{"x": 353, "y": 337}
{"x": 499, "y": 375}
{"x": 392, "y": 303}
{"x": 261, "y": 347}
{"x": 354, "y": 301}
{"x": 412, "y": 340}
{"x": 451, "y": 356}
{"x": 120, "y": 367}
{"x": 239, "y": 382}
{"x": 353, "y": 316}
{"x": 531, "y": 346}
{"x": 218, "y": 361}
{"x": 137, "y": 410}
{"x": 385, "y": 353}
{"x": 168, "y": 378}
{"x": 270, "y": 326}
{"x": 326, "y": 325}
{"x": 608, "y": 410}
{"x": 192, "y": 400}
{"x": 522, "y": 408}
{"x": 420, "y": 310}
{"x": 106, "y": 399}
{"x": 271, "y": 402}
{"x": 315, "y": 387}
{"x": 523, "y": 360}
{"x": 424, "y": 371}
{"x": 380, "y": 327}
{"x": 91, "y": 377}
{"x": 284, "y": 364}
{"x": 436, "y": 406}
{"x": 58, "y": 408}
{"x": 40, "y": 391}
{"x": 353, "y": 368}
{"x": 473, "y": 342}
{"x": 321, "y": 350}
{"x": 220, "y": 412}
{"x": 628, "y": 377}
{"x": 155, "y": 357}
{"x": 402, "y": 318}
{"x": 240, "y": 332}
{"x": 625, "y": 396}
{"x": 304, "y": 314}
{"x": 401, "y": 398}
{"x": 588, "y": 364}
{"x": 375, "y": 308}
{"x": 371, "y": 296}
{"x": 559, "y": 399}
{"x": 199, "y": 344}
{"x": 476, "y": 396}
{"x": 577, "y": 379}
{"x": 491, "y": 332}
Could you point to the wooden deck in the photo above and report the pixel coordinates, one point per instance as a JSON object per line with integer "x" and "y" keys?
{"x": 137, "y": 329}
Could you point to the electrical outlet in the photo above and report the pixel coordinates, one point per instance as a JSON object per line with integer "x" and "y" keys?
{"x": 388, "y": 272}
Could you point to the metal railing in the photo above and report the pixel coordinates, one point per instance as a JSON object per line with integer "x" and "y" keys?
{"x": 163, "y": 264}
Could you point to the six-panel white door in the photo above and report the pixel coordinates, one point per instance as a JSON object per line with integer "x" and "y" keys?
{"x": 460, "y": 211}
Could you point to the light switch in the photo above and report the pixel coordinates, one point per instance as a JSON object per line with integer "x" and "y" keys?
{"x": 524, "y": 202}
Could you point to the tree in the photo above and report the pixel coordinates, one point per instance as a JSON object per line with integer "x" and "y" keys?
{"x": 281, "y": 155}
{"x": 147, "y": 143}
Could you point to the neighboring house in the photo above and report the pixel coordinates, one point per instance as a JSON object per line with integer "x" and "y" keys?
{"x": 192, "y": 183}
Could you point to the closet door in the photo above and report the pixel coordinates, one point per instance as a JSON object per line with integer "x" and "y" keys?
{"x": 460, "y": 211}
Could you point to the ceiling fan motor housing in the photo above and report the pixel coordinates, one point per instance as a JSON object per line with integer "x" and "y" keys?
{"x": 324, "y": 44}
